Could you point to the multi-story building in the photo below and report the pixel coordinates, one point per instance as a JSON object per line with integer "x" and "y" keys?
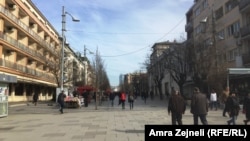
{"x": 30, "y": 51}
{"x": 134, "y": 82}
{"x": 222, "y": 25}
{"x": 160, "y": 80}
{"x": 74, "y": 72}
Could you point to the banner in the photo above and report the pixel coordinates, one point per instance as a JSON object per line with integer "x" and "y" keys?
{"x": 192, "y": 132}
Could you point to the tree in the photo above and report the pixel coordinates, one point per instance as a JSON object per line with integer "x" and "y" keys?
{"x": 55, "y": 69}
{"x": 101, "y": 81}
{"x": 158, "y": 74}
{"x": 176, "y": 63}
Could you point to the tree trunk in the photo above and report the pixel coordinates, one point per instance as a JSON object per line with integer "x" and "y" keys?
{"x": 160, "y": 89}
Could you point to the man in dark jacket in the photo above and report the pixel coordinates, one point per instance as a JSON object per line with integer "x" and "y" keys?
{"x": 111, "y": 98}
{"x": 232, "y": 108}
{"x": 199, "y": 107}
{"x": 60, "y": 100}
{"x": 177, "y": 107}
{"x": 86, "y": 98}
{"x": 35, "y": 98}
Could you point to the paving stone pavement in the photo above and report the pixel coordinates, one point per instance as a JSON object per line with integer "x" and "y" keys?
{"x": 27, "y": 122}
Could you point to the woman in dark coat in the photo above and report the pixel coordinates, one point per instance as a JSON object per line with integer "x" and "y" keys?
{"x": 246, "y": 108}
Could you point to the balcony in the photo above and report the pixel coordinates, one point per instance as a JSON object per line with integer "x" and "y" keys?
{"x": 189, "y": 27}
{"x": 28, "y": 30}
{"x": 41, "y": 75}
{"x": 245, "y": 32}
{"x": 244, "y": 5}
{"x": 25, "y": 49}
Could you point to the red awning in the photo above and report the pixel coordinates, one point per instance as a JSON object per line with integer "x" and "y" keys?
{"x": 83, "y": 88}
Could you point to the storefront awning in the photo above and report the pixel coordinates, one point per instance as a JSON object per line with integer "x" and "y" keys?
{"x": 8, "y": 78}
{"x": 239, "y": 71}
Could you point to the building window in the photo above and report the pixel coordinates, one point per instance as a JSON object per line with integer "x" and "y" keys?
{"x": 232, "y": 54}
{"x": 248, "y": 19}
{"x": 204, "y": 4}
{"x": 197, "y": 11}
{"x": 231, "y": 4}
{"x": 219, "y": 13}
{"x": 233, "y": 28}
{"x": 199, "y": 29}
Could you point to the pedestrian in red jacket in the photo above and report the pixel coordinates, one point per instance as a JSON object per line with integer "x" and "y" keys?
{"x": 123, "y": 99}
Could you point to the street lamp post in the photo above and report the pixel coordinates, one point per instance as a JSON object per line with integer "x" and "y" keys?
{"x": 85, "y": 71}
{"x": 86, "y": 64}
{"x": 63, "y": 40}
{"x": 96, "y": 75}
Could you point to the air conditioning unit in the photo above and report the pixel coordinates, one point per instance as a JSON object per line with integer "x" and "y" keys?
{"x": 10, "y": 29}
{"x": 12, "y": 6}
{"x": 29, "y": 62}
{"x": 8, "y": 52}
{"x": 31, "y": 24}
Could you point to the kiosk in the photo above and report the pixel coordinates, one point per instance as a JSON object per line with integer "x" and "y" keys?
{"x": 3, "y": 105}
{"x": 4, "y": 92}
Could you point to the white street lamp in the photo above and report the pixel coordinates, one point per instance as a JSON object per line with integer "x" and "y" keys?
{"x": 63, "y": 40}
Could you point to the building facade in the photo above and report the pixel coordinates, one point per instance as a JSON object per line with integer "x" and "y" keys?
{"x": 30, "y": 51}
{"x": 160, "y": 80}
{"x": 223, "y": 26}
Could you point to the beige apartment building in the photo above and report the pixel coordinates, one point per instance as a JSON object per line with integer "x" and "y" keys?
{"x": 29, "y": 51}
{"x": 224, "y": 26}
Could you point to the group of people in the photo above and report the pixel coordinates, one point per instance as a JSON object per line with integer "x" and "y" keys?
{"x": 61, "y": 99}
{"x": 122, "y": 99}
{"x": 177, "y": 107}
{"x": 200, "y": 105}
{"x": 232, "y": 106}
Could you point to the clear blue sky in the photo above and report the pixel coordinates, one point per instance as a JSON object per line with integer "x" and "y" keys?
{"x": 122, "y": 30}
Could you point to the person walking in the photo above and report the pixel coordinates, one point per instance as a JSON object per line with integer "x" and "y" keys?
{"x": 131, "y": 100}
{"x": 223, "y": 98}
{"x": 111, "y": 98}
{"x": 199, "y": 107}
{"x": 213, "y": 100}
{"x": 151, "y": 95}
{"x": 85, "y": 95}
{"x": 35, "y": 98}
{"x": 246, "y": 108}
{"x": 123, "y": 99}
{"x": 145, "y": 96}
{"x": 176, "y": 107}
{"x": 232, "y": 108}
{"x": 119, "y": 100}
{"x": 60, "y": 100}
